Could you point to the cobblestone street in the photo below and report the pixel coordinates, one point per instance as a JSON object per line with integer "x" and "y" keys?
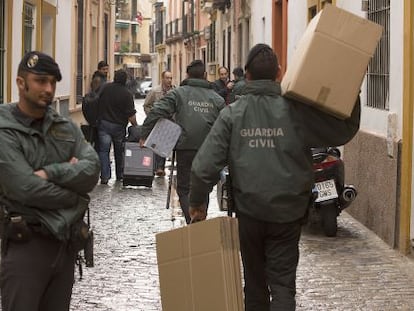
{"x": 354, "y": 271}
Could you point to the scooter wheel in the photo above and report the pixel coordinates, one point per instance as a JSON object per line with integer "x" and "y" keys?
{"x": 329, "y": 219}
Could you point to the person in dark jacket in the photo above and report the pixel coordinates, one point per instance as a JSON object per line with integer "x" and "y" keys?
{"x": 239, "y": 82}
{"x": 116, "y": 109}
{"x": 47, "y": 169}
{"x": 265, "y": 132}
{"x": 223, "y": 85}
{"x": 195, "y": 107}
{"x": 102, "y": 71}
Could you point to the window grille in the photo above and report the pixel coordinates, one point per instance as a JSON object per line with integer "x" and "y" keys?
{"x": 378, "y": 76}
{"x": 211, "y": 45}
{"x": 28, "y": 16}
{"x": 106, "y": 37}
{"x": 79, "y": 54}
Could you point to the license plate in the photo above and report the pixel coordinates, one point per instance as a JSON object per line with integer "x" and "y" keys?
{"x": 326, "y": 190}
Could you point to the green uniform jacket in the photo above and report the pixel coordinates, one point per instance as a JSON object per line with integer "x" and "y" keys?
{"x": 194, "y": 106}
{"x": 60, "y": 200}
{"x": 266, "y": 139}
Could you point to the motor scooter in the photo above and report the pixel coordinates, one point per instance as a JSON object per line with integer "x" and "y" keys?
{"x": 330, "y": 194}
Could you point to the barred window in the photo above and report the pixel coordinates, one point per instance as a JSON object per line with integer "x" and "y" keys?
{"x": 79, "y": 52}
{"x": 378, "y": 75}
{"x": 314, "y": 6}
{"x": 28, "y": 27}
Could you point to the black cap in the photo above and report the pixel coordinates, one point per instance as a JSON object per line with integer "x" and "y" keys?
{"x": 238, "y": 71}
{"x": 41, "y": 64}
{"x": 196, "y": 63}
{"x": 255, "y": 51}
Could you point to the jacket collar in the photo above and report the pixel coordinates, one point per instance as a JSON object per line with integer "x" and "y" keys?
{"x": 262, "y": 87}
{"x": 198, "y": 82}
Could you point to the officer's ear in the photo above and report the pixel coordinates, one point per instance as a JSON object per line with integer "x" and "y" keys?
{"x": 279, "y": 73}
{"x": 21, "y": 83}
{"x": 248, "y": 75}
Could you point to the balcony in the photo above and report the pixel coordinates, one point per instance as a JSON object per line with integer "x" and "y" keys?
{"x": 128, "y": 17}
{"x": 174, "y": 31}
{"x": 221, "y": 5}
{"x": 124, "y": 47}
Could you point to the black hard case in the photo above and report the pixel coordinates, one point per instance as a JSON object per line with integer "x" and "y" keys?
{"x": 138, "y": 165}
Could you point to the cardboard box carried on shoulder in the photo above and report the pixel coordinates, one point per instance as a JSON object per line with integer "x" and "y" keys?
{"x": 330, "y": 61}
{"x": 199, "y": 267}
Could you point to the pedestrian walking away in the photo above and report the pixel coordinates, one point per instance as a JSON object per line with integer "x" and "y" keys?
{"x": 154, "y": 95}
{"x": 47, "y": 169}
{"x": 195, "y": 106}
{"x": 116, "y": 109}
{"x": 265, "y": 132}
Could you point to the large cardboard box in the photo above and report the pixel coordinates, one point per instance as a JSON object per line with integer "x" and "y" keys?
{"x": 330, "y": 61}
{"x": 199, "y": 267}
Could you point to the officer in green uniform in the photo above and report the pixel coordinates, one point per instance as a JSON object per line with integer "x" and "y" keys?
{"x": 47, "y": 169}
{"x": 194, "y": 106}
{"x": 266, "y": 139}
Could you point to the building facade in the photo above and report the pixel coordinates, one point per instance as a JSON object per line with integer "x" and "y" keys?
{"x": 131, "y": 46}
{"x": 77, "y": 33}
{"x": 379, "y": 159}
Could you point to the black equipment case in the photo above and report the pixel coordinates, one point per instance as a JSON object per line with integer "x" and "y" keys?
{"x": 138, "y": 165}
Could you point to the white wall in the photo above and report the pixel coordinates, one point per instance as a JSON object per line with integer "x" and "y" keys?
{"x": 372, "y": 120}
{"x": 63, "y": 45}
{"x": 16, "y": 46}
{"x": 261, "y": 22}
{"x": 64, "y": 48}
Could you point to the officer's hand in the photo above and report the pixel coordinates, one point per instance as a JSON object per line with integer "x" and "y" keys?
{"x": 73, "y": 160}
{"x": 141, "y": 142}
{"x": 198, "y": 213}
{"x": 42, "y": 174}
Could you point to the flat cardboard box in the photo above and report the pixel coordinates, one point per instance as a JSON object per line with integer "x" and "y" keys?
{"x": 199, "y": 267}
{"x": 163, "y": 137}
{"x": 330, "y": 61}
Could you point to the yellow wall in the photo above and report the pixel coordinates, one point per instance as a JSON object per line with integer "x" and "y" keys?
{"x": 408, "y": 100}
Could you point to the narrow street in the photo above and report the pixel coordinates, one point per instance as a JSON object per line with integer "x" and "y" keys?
{"x": 353, "y": 271}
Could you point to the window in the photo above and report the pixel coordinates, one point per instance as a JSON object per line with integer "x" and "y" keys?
{"x": 314, "y": 6}
{"x": 378, "y": 75}
{"x": 229, "y": 47}
{"x": 48, "y": 28}
{"x": 79, "y": 53}
{"x": 211, "y": 48}
{"x": 106, "y": 37}
{"x": 28, "y": 27}
{"x": 224, "y": 48}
